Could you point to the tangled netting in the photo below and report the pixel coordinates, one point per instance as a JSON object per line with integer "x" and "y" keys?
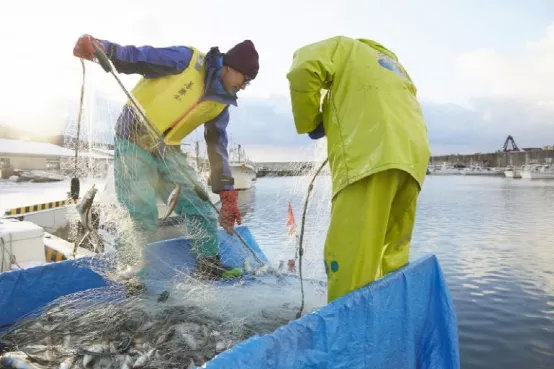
{"x": 102, "y": 329}
{"x": 125, "y": 326}
{"x": 122, "y": 326}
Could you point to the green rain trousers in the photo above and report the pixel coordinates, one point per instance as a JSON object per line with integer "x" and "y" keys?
{"x": 141, "y": 177}
{"x": 370, "y": 231}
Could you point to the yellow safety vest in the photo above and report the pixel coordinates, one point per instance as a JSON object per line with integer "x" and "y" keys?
{"x": 174, "y": 104}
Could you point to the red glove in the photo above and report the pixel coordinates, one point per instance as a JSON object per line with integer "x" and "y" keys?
{"x": 229, "y": 213}
{"x": 83, "y": 48}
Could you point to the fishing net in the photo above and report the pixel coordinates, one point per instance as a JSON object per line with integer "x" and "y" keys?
{"x": 183, "y": 326}
{"x": 284, "y": 200}
{"x": 187, "y": 320}
{"x": 100, "y": 329}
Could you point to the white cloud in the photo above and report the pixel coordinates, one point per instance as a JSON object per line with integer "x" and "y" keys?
{"x": 503, "y": 94}
{"x": 41, "y": 79}
{"x": 528, "y": 74}
{"x": 483, "y": 128}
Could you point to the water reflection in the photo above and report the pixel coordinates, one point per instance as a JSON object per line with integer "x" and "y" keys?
{"x": 494, "y": 240}
{"x": 247, "y": 200}
{"x": 493, "y": 237}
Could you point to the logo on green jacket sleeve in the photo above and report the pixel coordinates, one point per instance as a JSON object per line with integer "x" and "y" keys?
{"x": 389, "y": 63}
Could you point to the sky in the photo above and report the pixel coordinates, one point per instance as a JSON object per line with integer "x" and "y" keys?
{"x": 483, "y": 69}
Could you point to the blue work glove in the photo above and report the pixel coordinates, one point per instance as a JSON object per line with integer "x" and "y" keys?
{"x": 317, "y": 133}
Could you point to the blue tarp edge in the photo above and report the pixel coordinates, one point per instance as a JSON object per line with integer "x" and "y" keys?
{"x": 24, "y": 291}
{"x": 405, "y": 320}
{"x": 27, "y": 290}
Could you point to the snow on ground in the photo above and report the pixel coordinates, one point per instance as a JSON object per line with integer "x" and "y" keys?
{"x": 13, "y": 195}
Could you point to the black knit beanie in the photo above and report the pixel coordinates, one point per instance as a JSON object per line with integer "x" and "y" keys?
{"x": 244, "y": 58}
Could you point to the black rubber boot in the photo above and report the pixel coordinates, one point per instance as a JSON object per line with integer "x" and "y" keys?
{"x": 213, "y": 269}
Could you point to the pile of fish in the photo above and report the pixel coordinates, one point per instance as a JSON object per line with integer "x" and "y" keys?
{"x": 135, "y": 332}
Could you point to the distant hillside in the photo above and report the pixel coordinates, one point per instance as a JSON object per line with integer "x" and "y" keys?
{"x": 15, "y": 133}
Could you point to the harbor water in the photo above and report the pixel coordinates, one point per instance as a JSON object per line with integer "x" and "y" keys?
{"x": 493, "y": 237}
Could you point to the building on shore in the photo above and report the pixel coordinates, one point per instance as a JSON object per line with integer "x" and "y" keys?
{"x": 289, "y": 168}
{"x": 19, "y": 155}
{"x": 509, "y": 155}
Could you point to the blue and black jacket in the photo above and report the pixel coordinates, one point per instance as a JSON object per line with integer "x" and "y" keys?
{"x": 153, "y": 62}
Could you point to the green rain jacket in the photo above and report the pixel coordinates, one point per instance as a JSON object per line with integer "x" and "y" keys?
{"x": 372, "y": 119}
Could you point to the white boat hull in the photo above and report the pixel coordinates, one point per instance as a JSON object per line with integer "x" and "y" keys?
{"x": 481, "y": 172}
{"x": 244, "y": 175}
{"x": 447, "y": 172}
{"x": 532, "y": 175}
{"x": 512, "y": 173}
{"x": 537, "y": 172}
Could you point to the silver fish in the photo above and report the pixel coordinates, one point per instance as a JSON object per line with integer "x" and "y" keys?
{"x": 16, "y": 360}
{"x": 220, "y": 347}
{"x": 191, "y": 364}
{"x": 67, "y": 340}
{"x": 165, "y": 337}
{"x": 67, "y": 363}
{"x": 102, "y": 363}
{"x": 172, "y": 201}
{"x": 248, "y": 266}
{"x": 127, "y": 362}
{"x": 141, "y": 361}
{"x": 84, "y": 208}
{"x": 190, "y": 341}
{"x": 89, "y": 358}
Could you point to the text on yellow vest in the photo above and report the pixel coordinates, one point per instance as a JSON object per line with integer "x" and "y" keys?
{"x": 174, "y": 104}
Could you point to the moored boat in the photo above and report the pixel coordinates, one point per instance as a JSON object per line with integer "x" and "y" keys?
{"x": 243, "y": 170}
{"x": 477, "y": 170}
{"x": 512, "y": 172}
{"x": 443, "y": 169}
{"x": 243, "y": 174}
{"x": 537, "y": 171}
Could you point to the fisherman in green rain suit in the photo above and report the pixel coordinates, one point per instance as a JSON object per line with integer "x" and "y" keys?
{"x": 182, "y": 88}
{"x": 378, "y": 153}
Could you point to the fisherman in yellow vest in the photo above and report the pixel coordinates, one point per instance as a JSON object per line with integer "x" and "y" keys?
{"x": 377, "y": 148}
{"x": 181, "y": 89}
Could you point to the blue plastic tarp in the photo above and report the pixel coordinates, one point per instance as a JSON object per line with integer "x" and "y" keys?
{"x": 24, "y": 291}
{"x": 405, "y": 320}
{"x": 167, "y": 259}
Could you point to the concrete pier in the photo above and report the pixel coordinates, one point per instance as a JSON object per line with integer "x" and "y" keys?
{"x": 498, "y": 159}
{"x": 278, "y": 169}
